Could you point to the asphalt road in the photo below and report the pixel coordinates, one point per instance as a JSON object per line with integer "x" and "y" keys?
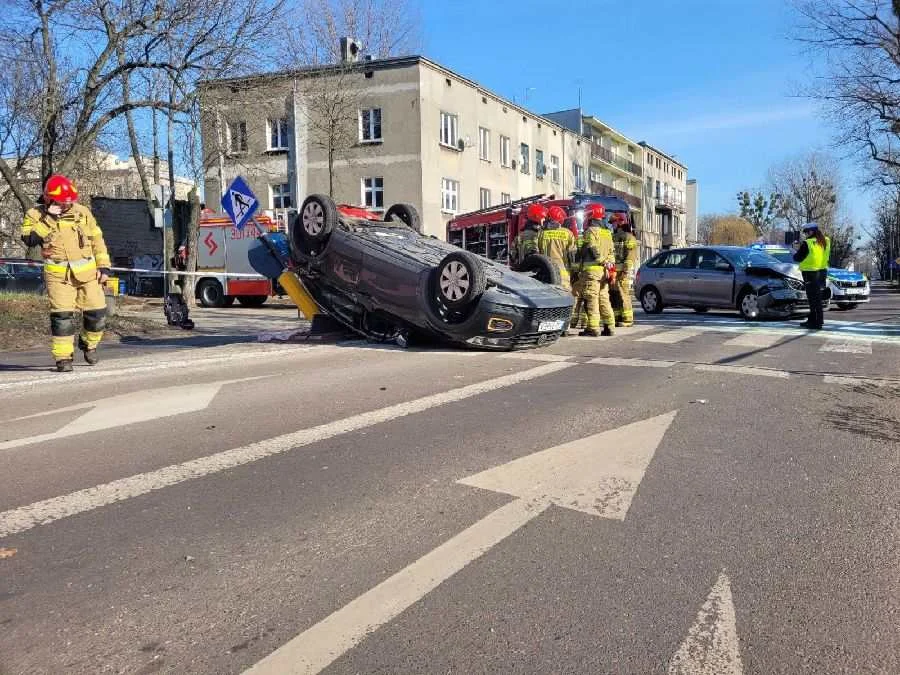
{"x": 694, "y": 495}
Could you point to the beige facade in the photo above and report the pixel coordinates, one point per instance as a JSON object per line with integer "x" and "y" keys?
{"x": 411, "y": 131}
{"x": 665, "y": 201}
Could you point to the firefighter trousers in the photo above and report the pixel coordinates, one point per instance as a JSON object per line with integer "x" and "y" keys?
{"x": 625, "y": 312}
{"x": 66, "y": 295}
{"x": 595, "y": 298}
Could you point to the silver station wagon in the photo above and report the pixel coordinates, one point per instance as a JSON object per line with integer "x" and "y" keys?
{"x": 721, "y": 277}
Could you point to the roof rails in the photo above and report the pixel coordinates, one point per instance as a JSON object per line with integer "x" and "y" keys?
{"x": 508, "y": 205}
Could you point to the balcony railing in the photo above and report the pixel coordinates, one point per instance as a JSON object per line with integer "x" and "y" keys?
{"x": 601, "y": 189}
{"x": 669, "y": 201}
{"x": 607, "y": 155}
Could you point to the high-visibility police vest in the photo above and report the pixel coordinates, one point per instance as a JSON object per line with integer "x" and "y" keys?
{"x": 817, "y": 256}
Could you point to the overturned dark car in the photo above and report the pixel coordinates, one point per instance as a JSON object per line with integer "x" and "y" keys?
{"x": 381, "y": 278}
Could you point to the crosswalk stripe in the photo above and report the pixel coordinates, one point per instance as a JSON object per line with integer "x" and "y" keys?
{"x": 859, "y": 347}
{"x": 744, "y": 370}
{"x": 670, "y": 336}
{"x": 760, "y": 340}
{"x": 645, "y": 363}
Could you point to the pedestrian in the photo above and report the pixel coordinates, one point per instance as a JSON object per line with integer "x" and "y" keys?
{"x": 526, "y": 242}
{"x": 626, "y": 249}
{"x": 557, "y": 243}
{"x": 596, "y": 269}
{"x": 76, "y": 265}
{"x": 812, "y": 255}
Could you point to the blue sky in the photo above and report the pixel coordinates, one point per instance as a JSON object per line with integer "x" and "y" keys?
{"x": 713, "y": 82}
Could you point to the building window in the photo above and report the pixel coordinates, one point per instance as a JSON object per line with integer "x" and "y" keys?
{"x": 484, "y": 198}
{"x": 484, "y": 144}
{"x": 373, "y": 192}
{"x": 578, "y": 172}
{"x": 505, "y": 198}
{"x": 449, "y": 129}
{"x": 370, "y": 125}
{"x": 504, "y": 151}
{"x": 554, "y": 168}
{"x": 449, "y": 195}
{"x": 658, "y": 163}
{"x": 237, "y": 136}
{"x": 539, "y": 168}
{"x": 281, "y": 196}
{"x": 657, "y": 189}
{"x": 278, "y": 134}
{"x": 525, "y": 151}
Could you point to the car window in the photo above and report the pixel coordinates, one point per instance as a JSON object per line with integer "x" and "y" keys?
{"x": 657, "y": 260}
{"x": 744, "y": 257}
{"x": 678, "y": 259}
{"x": 707, "y": 260}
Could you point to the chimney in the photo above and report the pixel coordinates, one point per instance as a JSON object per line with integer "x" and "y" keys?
{"x": 351, "y": 49}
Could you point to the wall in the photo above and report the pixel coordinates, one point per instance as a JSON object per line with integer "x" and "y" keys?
{"x": 127, "y": 227}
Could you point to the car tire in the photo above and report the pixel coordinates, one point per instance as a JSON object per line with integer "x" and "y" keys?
{"x": 210, "y": 293}
{"x": 459, "y": 279}
{"x": 748, "y": 304}
{"x": 651, "y": 300}
{"x": 406, "y": 214}
{"x": 316, "y": 220}
{"x": 542, "y": 267}
{"x": 229, "y": 301}
{"x": 252, "y": 300}
{"x": 701, "y": 310}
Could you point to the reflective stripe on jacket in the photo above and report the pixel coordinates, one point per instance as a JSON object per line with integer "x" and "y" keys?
{"x": 71, "y": 241}
{"x": 558, "y": 244}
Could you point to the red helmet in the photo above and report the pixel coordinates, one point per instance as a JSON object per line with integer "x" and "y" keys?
{"x": 59, "y": 189}
{"x": 556, "y": 214}
{"x": 595, "y": 212}
{"x": 617, "y": 218}
{"x": 536, "y": 212}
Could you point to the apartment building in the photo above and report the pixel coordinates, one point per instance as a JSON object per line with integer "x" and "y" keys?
{"x": 691, "y": 224}
{"x": 393, "y": 130}
{"x": 665, "y": 185}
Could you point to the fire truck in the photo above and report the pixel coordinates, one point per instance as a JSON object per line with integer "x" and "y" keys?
{"x": 488, "y": 232}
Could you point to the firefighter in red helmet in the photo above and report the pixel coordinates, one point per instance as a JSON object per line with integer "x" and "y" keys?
{"x": 626, "y": 248}
{"x": 596, "y": 266}
{"x": 526, "y": 242}
{"x": 76, "y": 264}
{"x": 557, "y": 243}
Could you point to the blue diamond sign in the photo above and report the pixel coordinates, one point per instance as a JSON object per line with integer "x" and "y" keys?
{"x": 239, "y": 202}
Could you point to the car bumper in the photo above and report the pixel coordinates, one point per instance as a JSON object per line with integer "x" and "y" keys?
{"x": 784, "y": 302}
{"x": 849, "y": 295}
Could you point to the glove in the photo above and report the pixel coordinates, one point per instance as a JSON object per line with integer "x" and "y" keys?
{"x": 32, "y": 239}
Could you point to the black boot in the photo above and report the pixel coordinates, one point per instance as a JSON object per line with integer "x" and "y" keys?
{"x": 607, "y": 331}
{"x": 64, "y": 366}
{"x": 589, "y": 332}
{"x": 90, "y": 355}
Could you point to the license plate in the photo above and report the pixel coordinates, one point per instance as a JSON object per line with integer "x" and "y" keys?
{"x": 550, "y": 326}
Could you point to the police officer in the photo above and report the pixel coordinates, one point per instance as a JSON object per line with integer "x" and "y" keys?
{"x": 597, "y": 268}
{"x": 526, "y": 242}
{"x": 626, "y": 249}
{"x": 812, "y": 255}
{"x": 76, "y": 264}
{"x": 557, "y": 243}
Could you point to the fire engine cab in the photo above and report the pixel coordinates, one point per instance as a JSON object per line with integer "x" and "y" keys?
{"x": 488, "y": 232}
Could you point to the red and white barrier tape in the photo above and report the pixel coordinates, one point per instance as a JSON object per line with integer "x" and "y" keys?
{"x": 177, "y": 273}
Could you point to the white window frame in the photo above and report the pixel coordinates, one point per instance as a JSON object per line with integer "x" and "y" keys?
{"x": 279, "y": 129}
{"x": 484, "y": 144}
{"x": 540, "y": 168}
{"x": 554, "y": 168}
{"x": 505, "y": 198}
{"x": 525, "y": 156}
{"x": 450, "y": 130}
{"x": 449, "y": 195}
{"x": 578, "y": 170}
{"x": 375, "y": 190}
{"x": 504, "y": 150}
{"x": 278, "y": 193}
{"x": 369, "y": 129}
{"x": 237, "y": 131}
{"x": 484, "y": 198}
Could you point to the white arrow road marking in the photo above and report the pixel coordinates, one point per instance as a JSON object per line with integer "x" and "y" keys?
{"x": 139, "y": 406}
{"x": 597, "y": 475}
{"x": 50, "y": 510}
{"x": 711, "y": 646}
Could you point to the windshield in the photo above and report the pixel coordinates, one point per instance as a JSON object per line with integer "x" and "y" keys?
{"x": 747, "y": 257}
{"x": 784, "y": 255}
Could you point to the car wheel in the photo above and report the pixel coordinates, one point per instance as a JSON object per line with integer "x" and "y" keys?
{"x": 460, "y": 279}
{"x": 651, "y": 302}
{"x": 542, "y": 268}
{"x": 229, "y": 301}
{"x": 748, "y": 305}
{"x": 701, "y": 310}
{"x": 853, "y": 305}
{"x": 317, "y": 218}
{"x": 253, "y": 300}
{"x": 406, "y": 214}
{"x": 210, "y": 293}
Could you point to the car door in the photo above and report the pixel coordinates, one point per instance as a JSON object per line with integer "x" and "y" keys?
{"x": 674, "y": 276}
{"x": 712, "y": 280}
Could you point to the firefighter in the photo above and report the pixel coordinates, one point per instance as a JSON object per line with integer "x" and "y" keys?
{"x": 76, "y": 264}
{"x": 626, "y": 248}
{"x": 526, "y": 242}
{"x": 557, "y": 243}
{"x": 597, "y": 271}
{"x": 812, "y": 256}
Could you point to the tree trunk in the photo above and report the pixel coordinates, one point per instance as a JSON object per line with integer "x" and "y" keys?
{"x": 189, "y": 282}
{"x": 156, "y": 149}
{"x": 169, "y": 233}
{"x": 331, "y": 172}
{"x": 133, "y": 138}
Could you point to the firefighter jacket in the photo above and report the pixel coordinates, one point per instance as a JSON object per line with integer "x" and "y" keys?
{"x": 526, "y": 242}
{"x": 558, "y": 244}
{"x": 626, "y": 248}
{"x": 597, "y": 250}
{"x": 71, "y": 241}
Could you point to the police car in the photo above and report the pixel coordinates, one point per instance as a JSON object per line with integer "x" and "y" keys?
{"x": 848, "y": 288}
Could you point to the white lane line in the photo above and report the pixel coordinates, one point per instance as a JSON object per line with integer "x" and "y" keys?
{"x": 712, "y": 646}
{"x": 670, "y": 337}
{"x": 851, "y": 380}
{"x": 50, "y": 510}
{"x": 860, "y": 347}
{"x": 759, "y": 340}
{"x": 744, "y": 370}
{"x": 537, "y": 356}
{"x": 640, "y": 363}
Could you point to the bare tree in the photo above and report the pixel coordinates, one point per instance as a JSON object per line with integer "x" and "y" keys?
{"x": 807, "y": 190}
{"x": 760, "y": 210}
{"x": 704, "y": 227}
{"x": 884, "y": 237}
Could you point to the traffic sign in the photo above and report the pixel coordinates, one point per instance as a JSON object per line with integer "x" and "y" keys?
{"x": 239, "y": 202}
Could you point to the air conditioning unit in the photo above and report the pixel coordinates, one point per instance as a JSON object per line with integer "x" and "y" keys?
{"x": 461, "y": 144}
{"x": 514, "y": 164}
{"x": 351, "y": 48}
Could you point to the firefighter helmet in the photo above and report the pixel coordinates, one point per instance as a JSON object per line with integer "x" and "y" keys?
{"x": 60, "y": 189}
{"x": 617, "y": 218}
{"x": 557, "y": 214}
{"x": 595, "y": 212}
{"x": 536, "y": 212}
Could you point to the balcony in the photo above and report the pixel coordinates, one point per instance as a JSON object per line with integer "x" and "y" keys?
{"x": 607, "y": 155}
{"x": 601, "y": 189}
{"x": 668, "y": 202}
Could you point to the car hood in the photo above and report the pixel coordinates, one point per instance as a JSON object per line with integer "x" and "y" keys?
{"x": 784, "y": 269}
{"x": 845, "y": 275}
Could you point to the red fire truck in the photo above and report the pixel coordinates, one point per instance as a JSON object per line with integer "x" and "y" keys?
{"x": 488, "y": 232}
